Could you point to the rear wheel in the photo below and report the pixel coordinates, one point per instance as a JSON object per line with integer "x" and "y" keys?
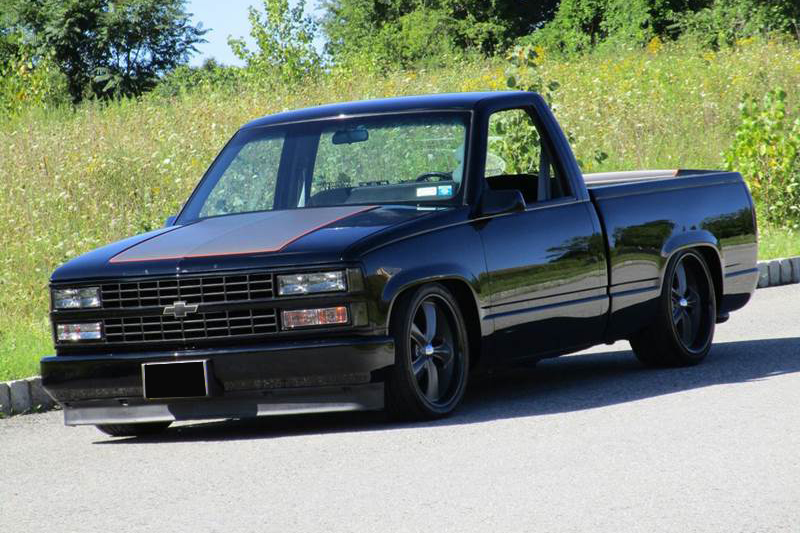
{"x": 429, "y": 376}
{"x": 683, "y": 329}
{"x": 133, "y": 430}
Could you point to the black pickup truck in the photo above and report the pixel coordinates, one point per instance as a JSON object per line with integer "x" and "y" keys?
{"x": 371, "y": 254}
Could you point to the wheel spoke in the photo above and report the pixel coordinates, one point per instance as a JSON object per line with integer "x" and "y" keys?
{"x": 694, "y": 319}
{"x": 417, "y": 335}
{"x": 680, "y": 277}
{"x": 443, "y": 352}
{"x": 418, "y": 365}
{"x": 432, "y": 390}
{"x": 446, "y": 375}
{"x": 677, "y": 314}
{"x": 686, "y": 329}
{"x": 429, "y": 308}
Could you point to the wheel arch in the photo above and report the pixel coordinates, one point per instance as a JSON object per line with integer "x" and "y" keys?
{"x": 464, "y": 293}
{"x": 708, "y": 249}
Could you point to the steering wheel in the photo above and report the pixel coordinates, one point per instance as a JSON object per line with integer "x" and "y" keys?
{"x": 443, "y": 176}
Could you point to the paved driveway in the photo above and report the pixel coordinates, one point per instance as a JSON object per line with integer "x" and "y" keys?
{"x": 587, "y": 443}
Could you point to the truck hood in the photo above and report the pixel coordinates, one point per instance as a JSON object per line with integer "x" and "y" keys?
{"x": 249, "y": 240}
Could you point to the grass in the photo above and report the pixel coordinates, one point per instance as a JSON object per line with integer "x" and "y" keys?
{"x": 73, "y": 180}
{"x": 778, "y": 244}
{"x": 21, "y": 347}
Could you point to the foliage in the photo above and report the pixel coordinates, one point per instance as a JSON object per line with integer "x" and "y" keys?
{"x": 581, "y": 25}
{"x": 517, "y": 138}
{"x": 513, "y": 136}
{"x": 413, "y": 32}
{"x": 766, "y": 149}
{"x": 284, "y": 38}
{"x": 25, "y": 84}
{"x": 726, "y": 22}
{"x": 209, "y": 77}
{"x": 108, "y": 47}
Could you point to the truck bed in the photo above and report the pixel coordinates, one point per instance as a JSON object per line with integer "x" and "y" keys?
{"x": 648, "y": 214}
{"x": 602, "y": 179}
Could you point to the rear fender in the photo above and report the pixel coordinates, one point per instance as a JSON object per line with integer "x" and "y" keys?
{"x": 701, "y": 239}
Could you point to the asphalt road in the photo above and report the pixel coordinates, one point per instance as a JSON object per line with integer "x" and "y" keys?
{"x": 588, "y": 443}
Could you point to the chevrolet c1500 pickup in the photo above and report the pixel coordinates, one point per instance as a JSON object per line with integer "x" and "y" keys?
{"x": 370, "y": 255}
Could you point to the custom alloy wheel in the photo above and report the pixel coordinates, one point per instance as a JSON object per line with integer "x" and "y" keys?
{"x": 431, "y": 355}
{"x": 689, "y": 304}
{"x": 684, "y": 328}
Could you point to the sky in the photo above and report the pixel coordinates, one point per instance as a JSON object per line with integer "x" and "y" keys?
{"x": 223, "y": 18}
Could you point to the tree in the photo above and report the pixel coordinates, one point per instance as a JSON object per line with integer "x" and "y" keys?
{"x": 109, "y": 47}
{"x": 582, "y": 24}
{"x": 284, "y": 40}
{"x": 405, "y": 32}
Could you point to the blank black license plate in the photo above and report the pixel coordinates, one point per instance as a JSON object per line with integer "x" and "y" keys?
{"x": 183, "y": 379}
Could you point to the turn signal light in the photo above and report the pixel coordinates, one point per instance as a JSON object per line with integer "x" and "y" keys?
{"x": 79, "y": 332}
{"x": 303, "y": 318}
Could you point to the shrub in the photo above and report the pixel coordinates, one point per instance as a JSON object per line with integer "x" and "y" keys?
{"x": 25, "y": 83}
{"x": 766, "y": 150}
{"x": 726, "y": 22}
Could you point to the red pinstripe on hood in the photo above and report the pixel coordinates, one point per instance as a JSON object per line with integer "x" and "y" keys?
{"x": 248, "y": 233}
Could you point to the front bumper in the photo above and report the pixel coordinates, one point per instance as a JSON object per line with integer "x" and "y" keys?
{"x": 293, "y": 377}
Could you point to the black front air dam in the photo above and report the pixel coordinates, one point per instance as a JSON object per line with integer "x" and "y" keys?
{"x": 324, "y": 369}
{"x": 280, "y": 402}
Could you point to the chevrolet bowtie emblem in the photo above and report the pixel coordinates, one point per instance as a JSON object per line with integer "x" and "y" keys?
{"x": 180, "y": 309}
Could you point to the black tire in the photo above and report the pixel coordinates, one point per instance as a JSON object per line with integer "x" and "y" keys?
{"x": 431, "y": 366}
{"x": 133, "y": 430}
{"x": 683, "y": 330}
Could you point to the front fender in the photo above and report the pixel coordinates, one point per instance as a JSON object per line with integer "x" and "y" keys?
{"x": 432, "y": 273}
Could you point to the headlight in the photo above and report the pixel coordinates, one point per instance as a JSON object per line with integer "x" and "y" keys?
{"x": 311, "y": 283}
{"x": 79, "y": 332}
{"x": 76, "y": 298}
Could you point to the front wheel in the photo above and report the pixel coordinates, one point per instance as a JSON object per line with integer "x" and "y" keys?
{"x": 133, "y": 430}
{"x": 683, "y": 329}
{"x": 429, "y": 376}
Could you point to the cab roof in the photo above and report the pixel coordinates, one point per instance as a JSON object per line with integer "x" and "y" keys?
{"x": 427, "y": 102}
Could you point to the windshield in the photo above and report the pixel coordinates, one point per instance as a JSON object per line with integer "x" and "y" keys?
{"x": 415, "y": 159}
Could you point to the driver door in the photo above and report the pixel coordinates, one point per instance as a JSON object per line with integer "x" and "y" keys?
{"x": 546, "y": 264}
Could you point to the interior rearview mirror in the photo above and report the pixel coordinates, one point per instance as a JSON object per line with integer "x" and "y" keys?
{"x": 499, "y": 202}
{"x": 356, "y": 135}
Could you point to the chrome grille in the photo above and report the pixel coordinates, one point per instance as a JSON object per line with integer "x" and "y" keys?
{"x": 192, "y": 290}
{"x": 195, "y": 326}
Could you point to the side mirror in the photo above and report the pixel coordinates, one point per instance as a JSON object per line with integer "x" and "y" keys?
{"x": 170, "y": 220}
{"x": 499, "y": 202}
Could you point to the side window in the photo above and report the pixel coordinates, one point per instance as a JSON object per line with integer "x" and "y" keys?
{"x": 518, "y": 158}
{"x": 248, "y": 184}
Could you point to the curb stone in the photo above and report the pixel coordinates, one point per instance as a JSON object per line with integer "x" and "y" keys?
{"x": 778, "y": 272}
{"x": 763, "y": 275}
{"x": 786, "y": 271}
{"x": 5, "y": 399}
{"x": 774, "y": 272}
{"x": 24, "y": 396}
{"x": 27, "y": 395}
{"x": 40, "y": 400}
{"x": 20, "y": 396}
